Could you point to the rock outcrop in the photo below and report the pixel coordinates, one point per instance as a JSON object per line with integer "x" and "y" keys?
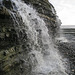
{"x": 11, "y": 53}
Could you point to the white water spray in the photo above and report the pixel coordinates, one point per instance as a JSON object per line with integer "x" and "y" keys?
{"x": 44, "y": 58}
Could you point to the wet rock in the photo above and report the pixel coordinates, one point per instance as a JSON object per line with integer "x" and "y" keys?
{"x": 29, "y": 13}
{"x": 12, "y": 51}
{"x": 68, "y": 50}
{"x": 7, "y": 4}
{"x": 4, "y": 53}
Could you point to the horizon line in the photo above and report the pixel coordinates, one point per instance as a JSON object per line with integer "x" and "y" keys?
{"x": 65, "y": 25}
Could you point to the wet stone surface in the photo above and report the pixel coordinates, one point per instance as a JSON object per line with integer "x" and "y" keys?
{"x": 68, "y": 50}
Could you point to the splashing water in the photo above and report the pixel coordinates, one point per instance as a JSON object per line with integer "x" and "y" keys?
{"x": 44, "y": 58}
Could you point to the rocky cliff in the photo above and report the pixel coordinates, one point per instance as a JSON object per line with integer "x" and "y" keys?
{"x": 11, "y": 51}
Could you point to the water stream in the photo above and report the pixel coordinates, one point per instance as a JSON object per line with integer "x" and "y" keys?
{"x": 43, "y": 57}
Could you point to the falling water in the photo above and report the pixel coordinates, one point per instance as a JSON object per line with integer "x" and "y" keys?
{"x": 43, "y": 57}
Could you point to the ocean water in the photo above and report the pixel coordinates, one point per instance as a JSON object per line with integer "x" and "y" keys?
{"x": 68, "y": 32}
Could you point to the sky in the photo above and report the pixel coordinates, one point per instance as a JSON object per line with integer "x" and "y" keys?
{"x": 65, "y": 10}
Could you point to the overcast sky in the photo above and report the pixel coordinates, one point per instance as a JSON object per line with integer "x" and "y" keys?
{"x": 65, "y": 10}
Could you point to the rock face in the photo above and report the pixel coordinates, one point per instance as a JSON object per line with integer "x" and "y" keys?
{"x": 11, "y": 53}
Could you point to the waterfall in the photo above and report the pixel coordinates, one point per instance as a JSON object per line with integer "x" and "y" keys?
{"x": 43, "y": 57}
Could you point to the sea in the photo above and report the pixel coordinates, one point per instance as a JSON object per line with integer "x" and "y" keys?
{"x": 67, "y": 33}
